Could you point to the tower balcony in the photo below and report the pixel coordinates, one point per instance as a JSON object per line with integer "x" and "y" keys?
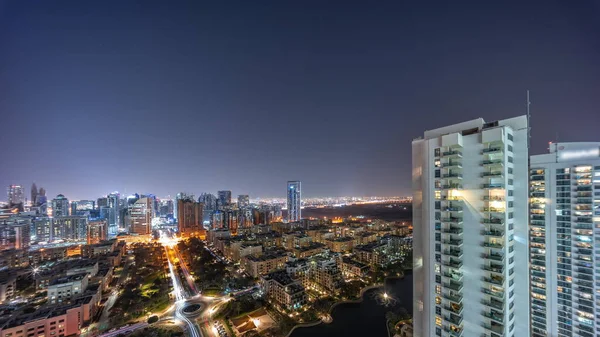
{"x": 453, "y": 243}
{"x": 493, "y": 186}
{"x": 493, "y": 303}
{"x": 494, "y": 268}
{"x": 493, "y": 198}
{"x": 494, "y": 210}
{"x": 494, "y": 316}
{"x": 493, "y": 257}
{"x": 494, "y": 280}
{"x": 453, "y": 230}
{"x": 452, "y": 263}
{"x": 493, "y": 150}
{"x": 496, "y": 328}
{"x": 453, "y": 252}
{"x": 453, "y": 331}
{"x": 496, "y": 174}
{"x": 454, "y": 297}
{"x": 454, "y": 285}
{"x": 452, "y": 154}
{"x": 493, "y": 233}
{"x": 497, "y": 294}
{"x": 494, "y": 245}
{"x": 452, "y": 186}
{"x": 453, "y": 276}
{"x": 493, "y": 163}
{"x": 452, "y": 176}
{"x": 456, "y": 309}
{"x": 454, "y": 319}
{"x": 493, "y": 220}
{"x": 452, "y": 220}
{"x": 452, "y": 164}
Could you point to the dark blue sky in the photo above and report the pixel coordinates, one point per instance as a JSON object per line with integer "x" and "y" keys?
{"x": 161, "y": 97}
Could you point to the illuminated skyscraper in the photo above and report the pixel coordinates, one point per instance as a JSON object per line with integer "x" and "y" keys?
{"x": 189, "y": 217}
{"x": 97, "y": 231}
{"x": 140, "y": 216}
{"x": 224, "y": 199}
{"x": 294, "y": 201}
{"x": 243, "y": 201}
{"x": 16, "y": 194}
{"x": 113, "y": 214}
{"x": 60, "y": 206}
{"x": 564, "y": 218}
{"x": 470, "y": 220}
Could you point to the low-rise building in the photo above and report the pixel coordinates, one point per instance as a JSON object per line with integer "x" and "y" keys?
{"x": 373, "y": 254}
{"x": 284, "y": 291}
{"x": 98, "y": 249}
{"x": 340, "y": 245}
{"x": 65, "y": 288}
{"x": 354, "y": 269}
{"x": 312, "y": 249}
{"x": 8, "y": 285}
{"x": 246, "y": 250}
{"x": 325, "y": 273}
{"x": 50, "y": 320}
{"x": 264, "y": 264}
{"x": 364, "y": 238}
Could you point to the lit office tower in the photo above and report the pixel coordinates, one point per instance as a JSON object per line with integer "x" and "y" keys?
{"x": 97, "y": 231}
{"x": 243, "y": 201}
{"x": 60, "y": 206}
{"x": 15, "y": 194}
{"x": 141, "y": 216}
{"x": 564, "y": 212}
{"x": 113, "y": 214}
{"x": 224, "y": 199}
{"x": 294, "y": 198}
{"x": 470, "y": 247}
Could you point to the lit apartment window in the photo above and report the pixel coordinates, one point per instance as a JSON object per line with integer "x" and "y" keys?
{"x": 438, "y": 321}
{"x": 438, "y": 289}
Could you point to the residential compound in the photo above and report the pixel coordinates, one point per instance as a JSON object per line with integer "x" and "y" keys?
{"x": 564, "y": 215}
{"x": 470, "y": 218}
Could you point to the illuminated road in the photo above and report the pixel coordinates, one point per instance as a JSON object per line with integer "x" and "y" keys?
{"x": 181, "y": 295}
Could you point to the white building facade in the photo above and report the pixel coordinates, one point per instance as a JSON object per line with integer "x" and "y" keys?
{"x": 564, "y": 222}
{"x": 470, "y": 246}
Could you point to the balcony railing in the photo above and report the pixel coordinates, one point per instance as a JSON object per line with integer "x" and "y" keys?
{"x": 452, "y": 230}
{"x": 452, "y": 164}
{"x": 452, "y": 186}
{"x": 492, "y": 174}
{"x": 497, "y": 294}
{"x": 497, "y": 280}
{"x": 452, "y": 209}
{"x": 493, "y": 303}
{"x": 494, "y": 210}
{"x": 499, "y": 269}
{"x": 454, "y": 319}
{"x": 454, "y": 153}
{"x": 492, "y": 162}
{"x": 456, "y": 276}
{"x": 493, "y": 186}
{"x": 456, "y": 309}
{"x": 456, "y": 286}
{"x": 452, "y": 263}
{"x": 497, "y": 234}
{"x": 498, "y": 245}
{"x": 452, "y": 175}
{"x": 496, "y": 328}
{"x": 498, "y": 221}
{"x": 493, "y": 150}
{"x": 457, "y": 298}
{"x": 494, "y": 316}
{"x": 494, "y": 257}
{"x": 456, "y": 243}
{"x": 452, "y": 219}
{"x": 493, "y": 198}
{"x": 453, "y": 252}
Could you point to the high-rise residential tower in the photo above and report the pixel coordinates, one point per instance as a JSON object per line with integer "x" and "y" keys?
{"x": 113, "y": 214}
{"x": 189, "y": 217}
{"x": 470, "y": 248}
{"x": 60, "y": 206}
{"x": 223, "y": 199}
{"x": 15, "y": 194}
{"x": 140, "y": 216}
{"x": 294, "y": 200}
{"x": 564, "y": 219}
{"x": 243, "y": 201}
{"x": 34, "y": 194}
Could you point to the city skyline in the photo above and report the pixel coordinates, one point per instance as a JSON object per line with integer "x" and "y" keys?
{"x": 190, "y": 97}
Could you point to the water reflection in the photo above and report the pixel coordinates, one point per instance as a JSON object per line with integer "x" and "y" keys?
{"x": 366, "y": 318}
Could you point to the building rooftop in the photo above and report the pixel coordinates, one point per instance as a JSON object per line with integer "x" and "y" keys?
{"x": 70, "y": 278}
{"x": 371, "y": 246}
{"x": 311, "y": 246}
{"x": 280, "y": 277}
{"x": 265, "y": 257}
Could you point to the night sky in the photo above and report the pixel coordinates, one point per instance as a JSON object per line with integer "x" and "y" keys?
{"x": 162, "y": 97}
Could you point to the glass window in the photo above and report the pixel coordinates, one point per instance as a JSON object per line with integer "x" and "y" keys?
{"x": 436, "y": 152}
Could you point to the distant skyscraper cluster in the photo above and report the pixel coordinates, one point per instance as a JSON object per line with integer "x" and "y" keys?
{"x": 60, "y": 219}
{"x": 486, "y": 264}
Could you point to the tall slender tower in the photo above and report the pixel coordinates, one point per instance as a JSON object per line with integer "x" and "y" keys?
{"x": 294, "y": 201}
{"x": 563, "y": 240}
{"x": 470, "y": 216}
{"x": 34, "y": 194}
